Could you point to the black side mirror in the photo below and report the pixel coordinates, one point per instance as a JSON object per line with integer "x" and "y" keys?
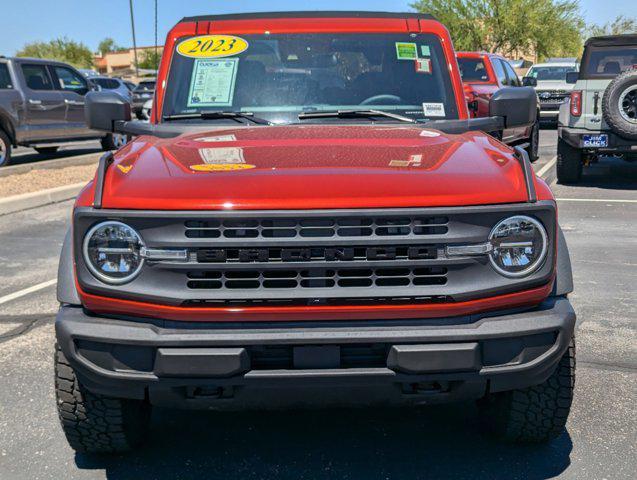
{"x": 517, "y": 105}
{"x": 529, "y": 81}
{"x": 103, "y": 109}
{"x": 572, "y": 77}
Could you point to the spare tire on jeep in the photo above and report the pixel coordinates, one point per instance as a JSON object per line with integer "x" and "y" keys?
{"x": 619, "y": 105}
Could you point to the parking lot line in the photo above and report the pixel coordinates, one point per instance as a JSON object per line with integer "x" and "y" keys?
{"x": 547, "y": 167}
{"x": 27, "y": 291}
{"x": 598, "y": 200}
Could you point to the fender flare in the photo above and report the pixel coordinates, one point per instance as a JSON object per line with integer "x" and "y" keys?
{"x": 8, "y": 126}
{"x": 66, "y": 290}
{"x": 564, "y": 275}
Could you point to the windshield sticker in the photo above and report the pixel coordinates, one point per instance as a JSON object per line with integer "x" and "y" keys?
{"x": 425, "y": 51}
{"x": 212, "y": 83}
{"x": 217, "y": 138}
{"x": 433, "y": 109}
{"x": 413, "y": 161}
{"x": 406, "y": 51}
{"x": 423, "y": 65}
{"x": 208, "y": 46}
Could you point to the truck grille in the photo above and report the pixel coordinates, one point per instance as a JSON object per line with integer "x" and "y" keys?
{"x": 314, "y": 257}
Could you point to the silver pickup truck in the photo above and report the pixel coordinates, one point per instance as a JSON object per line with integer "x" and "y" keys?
{"x": 42, "y": 106}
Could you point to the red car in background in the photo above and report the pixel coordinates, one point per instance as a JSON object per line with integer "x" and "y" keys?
{"x": 483, "y": 74}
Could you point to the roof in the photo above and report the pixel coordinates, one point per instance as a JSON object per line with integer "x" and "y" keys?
{"x": 306, "y": 14}
{"x": 612, "y": 40}
{"x": 555, "y": 64}
{"x": 33, "y": 60}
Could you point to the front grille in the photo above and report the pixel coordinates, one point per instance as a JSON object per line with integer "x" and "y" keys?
{"x": 344, "y": 227}
{"x": 316, "y": 278}
{"x": 281, "y": 357}
{"x": 314, "y": 257}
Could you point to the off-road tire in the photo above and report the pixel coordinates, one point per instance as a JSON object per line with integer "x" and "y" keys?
{"x": 610, "y": 105}
{"x": 536, "y": 414}
{"x": 46, "y": 150}
{"x": 569, "y": 163}
{"x": 6, "y": 148}
{"x": 95, "y": 423}
{"x": 534, "y": 141}
{"x": 108, "y": 143}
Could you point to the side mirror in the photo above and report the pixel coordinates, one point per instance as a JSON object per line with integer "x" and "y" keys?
{"x": 517, "y": 105}
{"x": 572, "y": 77}
{"x": 103, "y": 109}
{"x": 529, "y": 81}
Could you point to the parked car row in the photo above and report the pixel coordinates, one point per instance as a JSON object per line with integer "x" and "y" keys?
{"x": 42, "y": 105}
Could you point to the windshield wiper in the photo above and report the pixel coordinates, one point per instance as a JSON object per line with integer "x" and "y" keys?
{"x": 354, "y": 114}
{"x": 215, "y": 115}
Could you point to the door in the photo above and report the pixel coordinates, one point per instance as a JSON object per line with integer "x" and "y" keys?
{"x": 73, "y": 87}
{"x": 45, "y": 112}
{"x": 521, "y": 133}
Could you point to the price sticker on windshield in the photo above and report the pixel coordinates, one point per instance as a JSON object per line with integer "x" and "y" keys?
{"x": 211, "y": 46}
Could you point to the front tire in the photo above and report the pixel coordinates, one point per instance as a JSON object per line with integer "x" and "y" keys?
{"x": 539, "y": 413}
{"x": 95, "y": 423}
{"x": 534, "y": 142}
{"x": 5, "y": 149}
{"x": 114, "y": 141}
{"x": 569, "y": 163}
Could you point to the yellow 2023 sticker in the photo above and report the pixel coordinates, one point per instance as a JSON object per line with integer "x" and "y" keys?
{"x": 221, "y": 167}
{"x": 210, "y": 46}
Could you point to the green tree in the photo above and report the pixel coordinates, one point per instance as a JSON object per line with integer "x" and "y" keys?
{"x": 108, "y": 45}
{"x": 511, "y": 27}
{"x": 619, "y": 26}
{"x": 148, "y": 59}
{"x": 62, "y": 49}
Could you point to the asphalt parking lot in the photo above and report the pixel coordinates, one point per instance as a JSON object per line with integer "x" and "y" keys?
{"x": 598, "y": 218}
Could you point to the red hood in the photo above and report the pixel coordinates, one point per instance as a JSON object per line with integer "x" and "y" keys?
{"x": 313, "y": 166}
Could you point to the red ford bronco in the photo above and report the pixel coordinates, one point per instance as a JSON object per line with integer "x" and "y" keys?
{"x": 312, "y": 218}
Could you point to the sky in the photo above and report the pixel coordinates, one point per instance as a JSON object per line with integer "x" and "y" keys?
{"x": 89, "y": 21}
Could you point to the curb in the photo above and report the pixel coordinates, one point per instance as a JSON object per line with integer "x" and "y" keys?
{"x": 84, "y": 159}
{"x": 25, "y": 201}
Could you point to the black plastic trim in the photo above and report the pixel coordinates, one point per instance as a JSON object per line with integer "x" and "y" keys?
{"x": 305, "y": 14}
{"x": 105, "y": 161}
{"x": 529, "y": 174}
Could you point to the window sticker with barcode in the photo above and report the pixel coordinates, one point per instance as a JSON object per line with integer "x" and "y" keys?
{"x": 212, "y": 83}
{"x": 433, "y": 109}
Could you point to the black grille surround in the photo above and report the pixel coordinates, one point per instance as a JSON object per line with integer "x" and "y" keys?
{"x": 314, "y": 257}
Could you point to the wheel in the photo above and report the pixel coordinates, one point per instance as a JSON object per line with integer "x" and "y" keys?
{"x": 114, "y": 141}
{"x": 534, "y": 142}
{"x": 569, "y": 163}
{"x": 5, "y": 149}
{"x": 46, "y": 150}
{"x": 535, "y": 414}
{"x": 95, "y": 423}
{"x": 619, "y": 105}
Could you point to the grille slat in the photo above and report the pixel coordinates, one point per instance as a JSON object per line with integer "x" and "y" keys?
{"x": 345, "y": 227}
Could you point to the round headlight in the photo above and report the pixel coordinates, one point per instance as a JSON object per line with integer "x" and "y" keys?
{"x": 112, "y": 252}
{"x": 519, "y": 245}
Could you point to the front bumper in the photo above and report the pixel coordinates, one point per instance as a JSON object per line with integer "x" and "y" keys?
{"x": 328, "y": 363}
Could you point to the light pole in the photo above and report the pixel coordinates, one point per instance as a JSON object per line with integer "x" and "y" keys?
{"x": 132, "y": 24}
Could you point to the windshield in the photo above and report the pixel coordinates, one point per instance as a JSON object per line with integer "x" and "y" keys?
{"x": 609, "y": 61}
{"x": 551, "y": 73}
{"x": 107, "y": 83}
{"x": 473, "y": 69}
{"x": 277, "y": 77}
{"x": 145, "y": 86}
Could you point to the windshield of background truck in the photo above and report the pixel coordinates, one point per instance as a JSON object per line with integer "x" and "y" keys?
{"x": 473, "y": 69}
{"x": 279, "y": 76}
{"x": 551, "y": 73}
{"x": 604, "y": 61}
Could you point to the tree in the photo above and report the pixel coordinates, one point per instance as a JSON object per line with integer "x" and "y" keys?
{"x": 61, "y": 49}
{"x": 619, "y": 26}
{"x": 149, "y": 60}
{"x": 108, "y": 45}
{"x": 511, "y": 27}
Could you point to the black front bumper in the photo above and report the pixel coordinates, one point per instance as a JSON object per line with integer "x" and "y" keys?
{"x": 238, "y": 366}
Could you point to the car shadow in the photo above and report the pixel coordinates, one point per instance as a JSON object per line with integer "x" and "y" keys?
{"x": 24, "y": 158}
{"x": 610, "y": 174}
{"x": 436, "y": 442}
